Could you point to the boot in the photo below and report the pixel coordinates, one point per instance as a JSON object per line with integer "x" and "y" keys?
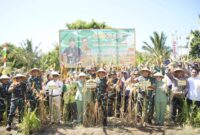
{"x": 8, "y": 127}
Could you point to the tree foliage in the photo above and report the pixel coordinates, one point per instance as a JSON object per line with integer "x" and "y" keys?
{"x": 51, "y": 59}
{"x": 25, "y": 56}
{"x": 80, "y": 24}
{"x": 195, "y": 44}
{"x": 158, "y": 49}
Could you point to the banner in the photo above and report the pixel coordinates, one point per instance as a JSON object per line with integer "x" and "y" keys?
{"x": 97, "y": 46}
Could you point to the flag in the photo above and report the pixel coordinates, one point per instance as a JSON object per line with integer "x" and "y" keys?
{"x": 4, "y": 55}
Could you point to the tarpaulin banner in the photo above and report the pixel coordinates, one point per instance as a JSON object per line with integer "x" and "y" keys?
{"x": 97, "y": 46}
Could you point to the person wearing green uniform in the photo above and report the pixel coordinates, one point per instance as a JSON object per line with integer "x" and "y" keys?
{"x": 70, "y": 109}
{"x": 160, "y": 98}
{"x": 145, "y": 96}
{"x": 79, "y": 96}
{"x": 19, "y": 95}
{"x": 35, "y": 82}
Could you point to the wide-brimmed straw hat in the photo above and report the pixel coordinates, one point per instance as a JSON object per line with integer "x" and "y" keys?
{"x": 145, "y": 69}
{"x": 82, "y": 74}
{"x": 158, "y": 74}
{"x": 54, "y": 73}
{"x": 179, "y": 70}
{"x": 4, "y": 77}
{"x": 19, "y": 76}
{"x": 35, "y": 69}
{"x": 101, "y": 70}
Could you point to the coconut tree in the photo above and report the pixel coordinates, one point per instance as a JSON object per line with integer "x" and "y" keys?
{"x": 31, "y": 54}
{"x": 158, "y": 49}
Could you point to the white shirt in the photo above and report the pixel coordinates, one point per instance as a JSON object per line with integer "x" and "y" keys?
{"x": 194, "y": 88}
{"x": 54, "y": 87}
{"x": 169, "y": 82}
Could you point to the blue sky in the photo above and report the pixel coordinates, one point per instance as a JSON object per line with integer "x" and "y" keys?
{"x": 40, "y": 20}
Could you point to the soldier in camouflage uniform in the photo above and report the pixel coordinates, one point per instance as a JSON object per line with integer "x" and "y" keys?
{"x": 102, "y": 93}
{"x": 35, "y": 82}
{"x": 5, "y": 80}
{"x": 148, "y": 92}
{"x": 18, "y": 89}
{"x": 112, "y": 93}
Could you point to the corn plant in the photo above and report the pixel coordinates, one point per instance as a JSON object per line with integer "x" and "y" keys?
{"x": 30, "y": 122}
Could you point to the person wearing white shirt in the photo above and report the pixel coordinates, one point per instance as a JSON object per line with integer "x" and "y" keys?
{"x": 54, "y": 88}
{"x": 194, "y": 89}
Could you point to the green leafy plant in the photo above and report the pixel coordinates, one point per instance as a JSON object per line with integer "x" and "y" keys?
{"x": 30, "y": 122}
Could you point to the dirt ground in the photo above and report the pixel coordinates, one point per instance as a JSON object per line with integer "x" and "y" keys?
{"x": 110, "y": 130}
{"x": 113, "y": 128}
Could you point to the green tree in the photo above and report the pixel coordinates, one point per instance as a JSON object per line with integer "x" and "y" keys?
{"x": 142, "y": 57}
{"x": 80, "y": 24}
{"x": 195, "y": 44}
{"x": 31, "y": 54}
{"x": 158, "y": 49}
{"x": 13, "y": 56}
{"x": 51, "y": 59}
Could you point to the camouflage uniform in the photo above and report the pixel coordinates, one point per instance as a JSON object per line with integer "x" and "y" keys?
{"x": 111, "y": 97}
{"x": 17, "y": 101}
{"x": 70, "y": 109}
{"x": 2, "y": 104}
{"x": 35, "y": 82}
{"x": 102, "y": 98}
{"x": 7, "y": 96}
{"x": 150, "y": 94}
{"x": 119, "y": 97}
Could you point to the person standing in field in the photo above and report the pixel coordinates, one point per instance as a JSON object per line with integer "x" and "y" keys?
{"x": 54, "y": 88}
{"x": 19, "y": 95}
{"x": 79, "y": 96}
{"x": 160, "y": 98}
{"x": 193, "y": 96}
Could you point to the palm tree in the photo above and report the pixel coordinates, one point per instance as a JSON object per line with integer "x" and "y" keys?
{"x": 31, "y": 54}
{"x": 158, "y": 49}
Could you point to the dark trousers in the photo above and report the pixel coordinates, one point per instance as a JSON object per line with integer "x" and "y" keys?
{"x": 70, "y": 111}
{"x": 102, "y": 103}
{"x": 18, "y": 103}
{"x": 2, "y": 109}
{"x": 119, "y": 99}
{"x": 139, "y": 106}
{"x": 111, "y": 103}
{"x": 177, "y": 109}
{"x": 193, "y": 106}
{"x": 149, "y": 107}
{"x": 8, "y": 102}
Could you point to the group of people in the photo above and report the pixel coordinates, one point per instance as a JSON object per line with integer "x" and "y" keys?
{"x": 89, "y": 95}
